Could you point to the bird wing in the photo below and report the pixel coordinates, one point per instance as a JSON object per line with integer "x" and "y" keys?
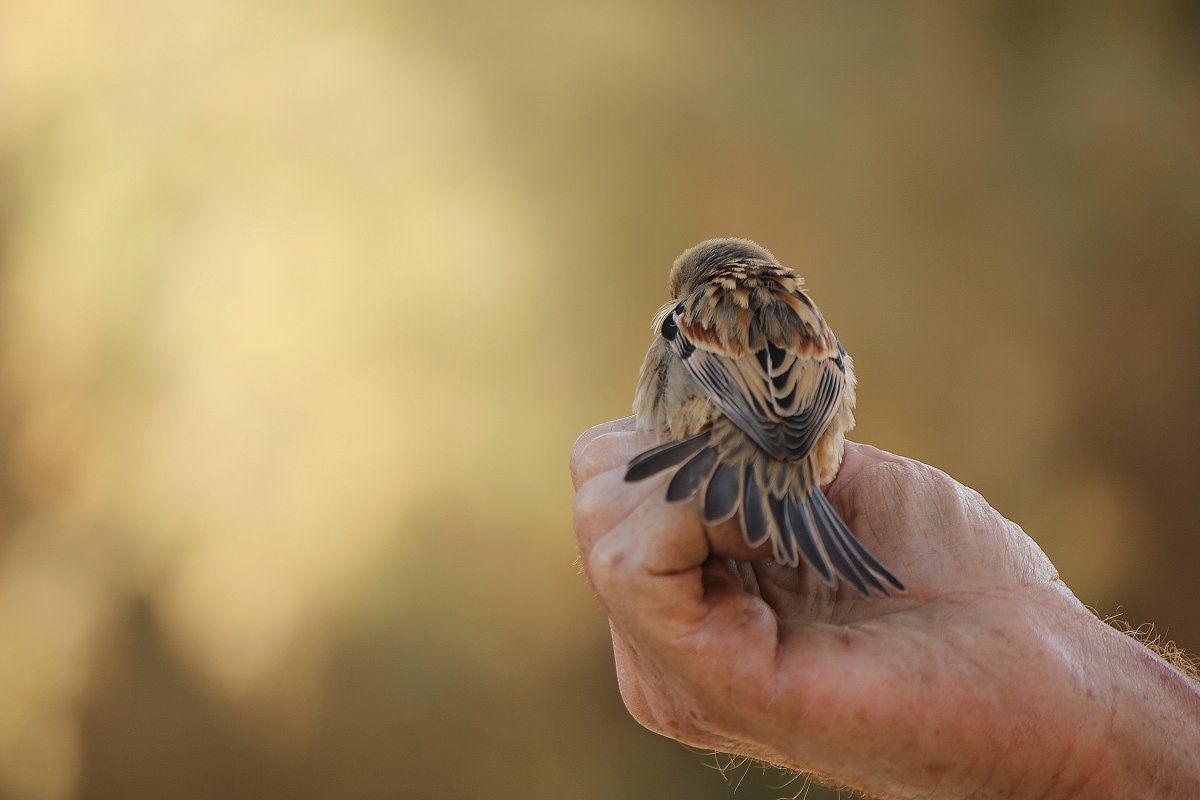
{"x": 781, "y": 398}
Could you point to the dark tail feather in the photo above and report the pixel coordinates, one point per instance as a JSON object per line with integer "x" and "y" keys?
{"x": 809, "y": 527}
{"x": 691, "y": 475}
{"x": 665, "y": 456}
{"x": 832, "y": 544}
{"x": 801, "y": 528}
{"x": 786, "y": 549}
{"x": 723, "y": 495}
{"x": 755, "y": 526}
{"x": 879, "y": 569}
{"x": 868, "y": 564}
{"x": 849, "y": 563}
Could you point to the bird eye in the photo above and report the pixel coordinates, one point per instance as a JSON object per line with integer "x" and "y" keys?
{"x": 668, "y": 329}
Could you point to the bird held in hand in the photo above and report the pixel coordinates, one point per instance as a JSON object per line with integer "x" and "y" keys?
{"x": 756, "y": 394}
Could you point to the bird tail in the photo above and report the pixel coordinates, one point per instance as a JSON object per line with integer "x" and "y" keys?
{"x": 809, "y": 526}
{"x": 800, "y": 523}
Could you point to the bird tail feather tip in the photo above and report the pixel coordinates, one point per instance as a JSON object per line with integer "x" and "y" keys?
{"x": 815, "y": 529}
{"x": 665, "y": 456}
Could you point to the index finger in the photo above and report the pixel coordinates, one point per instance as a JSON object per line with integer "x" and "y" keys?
{"x": 588, "y": 460}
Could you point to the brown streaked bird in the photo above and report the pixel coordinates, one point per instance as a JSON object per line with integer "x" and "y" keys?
{"x": 756, "y": 394}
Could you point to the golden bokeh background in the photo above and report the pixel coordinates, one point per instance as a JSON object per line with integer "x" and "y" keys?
{"x": 303, "y": 303}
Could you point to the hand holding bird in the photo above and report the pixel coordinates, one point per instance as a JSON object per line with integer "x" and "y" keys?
{"x": 987, "y": 678}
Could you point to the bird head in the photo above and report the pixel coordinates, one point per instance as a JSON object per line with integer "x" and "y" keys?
{"x": 713, "y": 258}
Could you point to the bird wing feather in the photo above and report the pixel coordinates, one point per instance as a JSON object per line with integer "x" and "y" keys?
{"x": 782, "y": 399}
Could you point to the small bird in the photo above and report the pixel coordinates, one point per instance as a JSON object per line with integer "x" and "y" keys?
{"x": 756, "y": 394}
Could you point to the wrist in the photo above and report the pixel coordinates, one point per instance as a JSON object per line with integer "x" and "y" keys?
{"x": 1151, "y": 747}
{"x": 1127, "y": 724}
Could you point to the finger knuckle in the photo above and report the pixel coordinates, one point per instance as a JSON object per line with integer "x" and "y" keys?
{"x": 583, "y": 442}
{"x": 609, "y": 564}
{"x": 915, "y": 477}
{"x": 590, "y": 502}
{"x": 599, "y": 452}
{"x": 939, "y": 483}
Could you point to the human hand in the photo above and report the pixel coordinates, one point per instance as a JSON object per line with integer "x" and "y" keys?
{"x": 986, "y": 679}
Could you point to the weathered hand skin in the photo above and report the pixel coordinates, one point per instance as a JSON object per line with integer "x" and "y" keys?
{"x": 987, "y": 679}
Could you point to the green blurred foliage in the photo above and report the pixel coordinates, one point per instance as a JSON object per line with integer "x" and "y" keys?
{"x": 302, "y": 304}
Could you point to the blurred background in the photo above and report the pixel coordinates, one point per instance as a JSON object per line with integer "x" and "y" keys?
{"x": 302, "y": 305}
